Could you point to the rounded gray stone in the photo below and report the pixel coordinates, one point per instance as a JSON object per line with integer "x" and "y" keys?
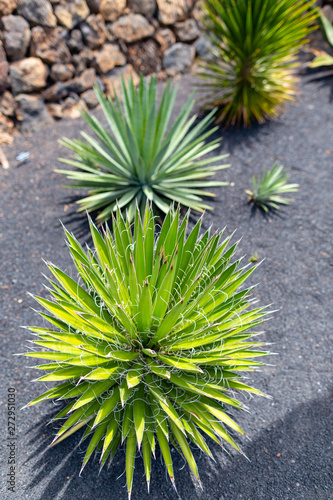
{"x": 178, "y": 58}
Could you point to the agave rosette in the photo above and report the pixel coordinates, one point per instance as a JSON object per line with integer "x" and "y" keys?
{"x": 136, "y": 158}
{"x": 152, "y": 345}
{"x": 267, "y": 190}
{"x": 255, "y": 43}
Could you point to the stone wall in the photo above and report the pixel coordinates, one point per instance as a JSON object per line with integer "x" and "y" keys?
{"x": 53, "y": 51}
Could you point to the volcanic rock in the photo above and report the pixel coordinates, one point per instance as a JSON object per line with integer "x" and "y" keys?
{"x": 49, "y": 44}
{"x": 16, "y": 36}
{"x": 178, "y": 58}
{"x": 132, "y": 27}
{"x": 37, "y": 12}
{"x": 27, "y": 75}
{"x": 112, "y": 9}
{"x": 94, "y": 31}
{"x": 109, "y": 57}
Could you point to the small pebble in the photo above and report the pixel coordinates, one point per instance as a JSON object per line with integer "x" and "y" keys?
{"x": 23, "y": 156}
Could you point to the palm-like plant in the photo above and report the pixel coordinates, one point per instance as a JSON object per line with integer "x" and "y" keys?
{"x": 152, "y": 345}
{"x": 255, "y": 44}
{"x": 141, "y": 160}
{"x": 267, "y": 190}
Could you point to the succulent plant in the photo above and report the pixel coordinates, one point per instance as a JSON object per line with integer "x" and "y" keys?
{"x": 271, "y": 184}
{"x": 254, "y": 47}
{"x": 151, "y": 346}
{"x": 322, "y": 58}
{"x": 140, "y": 159}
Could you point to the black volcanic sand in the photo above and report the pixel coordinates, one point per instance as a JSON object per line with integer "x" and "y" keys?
{"x": 289, "y": 437}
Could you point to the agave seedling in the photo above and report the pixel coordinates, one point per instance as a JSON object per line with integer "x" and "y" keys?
{"x": 255, "y": 45}
{"x": 140, "y": 160}
{"x": 267, "y": 190}
{"x": 151, "y": 346}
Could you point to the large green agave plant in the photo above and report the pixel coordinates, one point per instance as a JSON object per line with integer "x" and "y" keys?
{"x": 152, "y": 345}
{"x": 255, "y": 43}
{"x": 141, "y": 160}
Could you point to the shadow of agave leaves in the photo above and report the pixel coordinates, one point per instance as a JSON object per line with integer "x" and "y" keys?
{"x": 323, "y": 76}
{"x": 43, "y": 431}
{"x": 78, "y": 224}
{"x": 291, "y": 459}
{"x": 256, "y": 210}
{"x": 234, "y": 136}
{"x": 60, "y": 467}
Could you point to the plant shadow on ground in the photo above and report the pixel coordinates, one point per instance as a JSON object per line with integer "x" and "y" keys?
{"x": 323, "y": 77}
{"x": 272, "y": 212}
{"x": 78, "y": 223}
{"x": 232, "y": 136}
{"x": 292, "y": 459}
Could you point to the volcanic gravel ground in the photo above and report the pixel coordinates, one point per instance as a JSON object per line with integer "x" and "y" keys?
{"x": 289, "y": 437}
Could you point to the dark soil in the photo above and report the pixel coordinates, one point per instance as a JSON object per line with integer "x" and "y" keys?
{"x": 290, "y": 437}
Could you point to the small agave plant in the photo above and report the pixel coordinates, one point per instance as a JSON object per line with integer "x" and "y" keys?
{"x": 136, "y": 158}
{"x": 150, "y": 348}
{"x": 267, "y": 190}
